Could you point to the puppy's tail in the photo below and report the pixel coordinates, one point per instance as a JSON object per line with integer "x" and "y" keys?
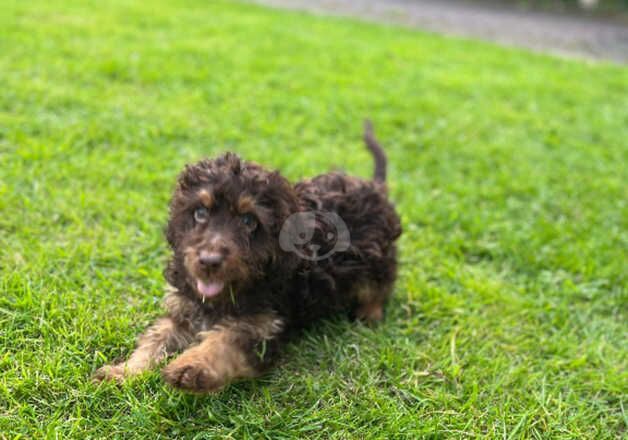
{"x": 379, "y": 174}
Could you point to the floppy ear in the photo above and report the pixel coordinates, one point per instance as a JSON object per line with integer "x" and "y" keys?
{"x": 177, "y": 224}
{"x": 192, "y": 176}
{"x": 173, "y": 228}
{"x": 279, "y": 197}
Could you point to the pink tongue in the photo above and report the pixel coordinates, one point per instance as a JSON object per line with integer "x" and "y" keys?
{"x": 209, "y": 289}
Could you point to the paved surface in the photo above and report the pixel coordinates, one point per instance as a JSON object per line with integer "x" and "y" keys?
{"x": 562, "y": 34}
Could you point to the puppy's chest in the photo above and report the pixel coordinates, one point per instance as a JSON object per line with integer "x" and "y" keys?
{"x": 197, "y": 317}
{"x": 189, "y": 313}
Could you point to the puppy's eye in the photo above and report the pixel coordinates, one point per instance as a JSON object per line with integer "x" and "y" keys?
{"x": 201, "y": 214}
{"x": 249, "y": 221}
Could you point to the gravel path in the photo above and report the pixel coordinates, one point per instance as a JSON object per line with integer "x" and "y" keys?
{"x": 562, "y": 34}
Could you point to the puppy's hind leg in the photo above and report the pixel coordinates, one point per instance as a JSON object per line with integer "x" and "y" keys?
{"x": 161, "y": 339}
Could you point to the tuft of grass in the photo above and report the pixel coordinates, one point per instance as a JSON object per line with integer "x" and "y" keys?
{"x": 508, "y": 169}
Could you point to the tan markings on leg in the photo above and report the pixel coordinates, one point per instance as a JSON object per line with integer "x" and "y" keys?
{"x": 161, "y": 339}
{"x": 263, "y": 326}
{"x": 220, "y": 358}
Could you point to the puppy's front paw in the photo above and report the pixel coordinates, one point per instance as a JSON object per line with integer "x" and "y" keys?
{"x": 115, "y": 373}
{"x": 197, "y": 377}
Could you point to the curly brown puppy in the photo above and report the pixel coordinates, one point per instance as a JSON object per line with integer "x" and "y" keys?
{"x": 254, "y": 259}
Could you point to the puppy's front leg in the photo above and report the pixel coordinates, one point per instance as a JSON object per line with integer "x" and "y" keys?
{"x": 237, "y": 348}
{"x": 161, "y": 339}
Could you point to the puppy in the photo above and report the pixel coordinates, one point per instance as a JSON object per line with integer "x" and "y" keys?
{"x": 255, "y": 259}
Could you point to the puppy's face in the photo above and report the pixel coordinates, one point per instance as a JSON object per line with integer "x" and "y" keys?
{"x": 224, "y": 224}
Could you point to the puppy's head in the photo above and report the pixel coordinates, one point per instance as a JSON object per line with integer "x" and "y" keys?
{"x": 225, "y": 218}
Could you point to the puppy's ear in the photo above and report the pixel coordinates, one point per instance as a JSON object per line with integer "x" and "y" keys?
{"x": 192, "y": 177}
{"x": 279, "y": 196}
{"x": 176, "y": 224}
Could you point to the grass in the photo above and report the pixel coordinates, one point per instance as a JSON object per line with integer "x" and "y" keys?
{"x": 508, "y": 169}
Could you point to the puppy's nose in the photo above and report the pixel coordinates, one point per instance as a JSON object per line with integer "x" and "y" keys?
{"x": 211, "y": 260}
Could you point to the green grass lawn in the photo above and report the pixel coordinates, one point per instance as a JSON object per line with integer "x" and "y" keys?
{"x": 509, "y": 170}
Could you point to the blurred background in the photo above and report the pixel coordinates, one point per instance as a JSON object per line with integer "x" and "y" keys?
{"x": 581, "y": 28}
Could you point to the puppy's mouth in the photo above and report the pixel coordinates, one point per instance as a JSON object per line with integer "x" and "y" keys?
{"x": 209, "y": 280}
{"x": 209, "y": 289}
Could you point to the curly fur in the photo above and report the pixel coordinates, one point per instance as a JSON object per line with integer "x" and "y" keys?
{"x": 226, "y": 215}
